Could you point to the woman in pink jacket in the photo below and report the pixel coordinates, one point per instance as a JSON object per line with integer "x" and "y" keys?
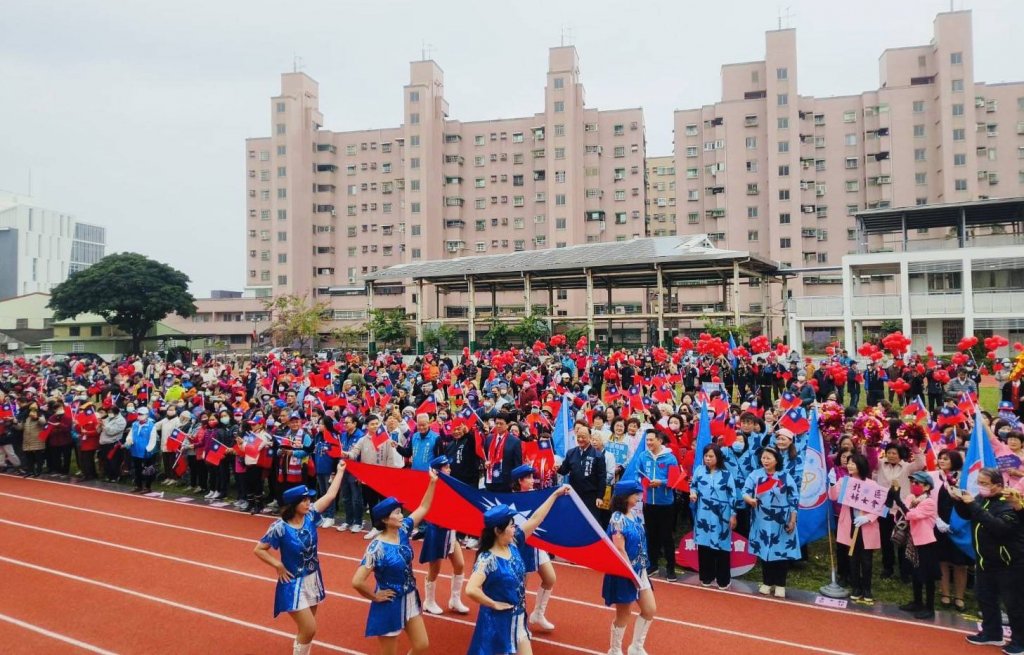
{"x": 921, "y": 511}
{"x": 857, "y": 536}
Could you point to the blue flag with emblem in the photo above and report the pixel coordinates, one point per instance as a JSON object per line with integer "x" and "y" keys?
{"x": 979, "y": 455}
{"x": 562, "y": 437}
{"x": 813, "y": 514}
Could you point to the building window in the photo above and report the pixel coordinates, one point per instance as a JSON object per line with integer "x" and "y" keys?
{"x": 559, "y": 106}
{"x": 920, "y": 179}
{"x": 958, "y": 86}
{"x": 751, "y": 235}
{"x": 959, "y": 134}
{"x": 415, "y": 253}
{"x": 784, "y": 170}
{"x": 782, "y": 99}
{"x": 784, "y": 218}
{"x": 751, "y": 212}
{"x": 751, "y": 143}
{"x": 919, "y": 106}
{"x": 783, "y": 123}
{"x": 414, "y": 119}
{"x": 781, "y": 74}
{"x": 282, "y": 236}
{"x": 784, "y": 242}
{"x": 282, "y": 280}
{"x": 850, "y": 139}
{"x": 414, "y": 96}
{"x": 918, "y": 131}
{"x": 958, "y": 109}
{"x": 783, "y": 146}
{"x": 956, "y": 58}
{"x": 783, "y": 194}
{"x": 559, "y": 82}
{"x": 280, "y": 107}
{"x": 919, "y": 154}
{"x": 960, "y": 185}
{"x": 416, "y": 230}
{"x": 280, "y": 129}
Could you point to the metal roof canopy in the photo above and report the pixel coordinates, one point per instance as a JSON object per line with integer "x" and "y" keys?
{"x": 978, "y": 212}
{"x": 623, "y": 264}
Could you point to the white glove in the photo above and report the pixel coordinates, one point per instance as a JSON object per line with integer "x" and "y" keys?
{"x": 831, "y": 477}
{"x": 859, "y": 521}
{"x": 941, "y": 525}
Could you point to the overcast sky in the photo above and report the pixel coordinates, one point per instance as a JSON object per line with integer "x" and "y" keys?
{"x": 133, "y": 114}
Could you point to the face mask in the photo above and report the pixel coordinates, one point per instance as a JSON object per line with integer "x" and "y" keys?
{"x": 212, "y": 423}
{"x": 917, "y": 489}
{"x": 225, "y": 420}
{"x": 986, "y": 492}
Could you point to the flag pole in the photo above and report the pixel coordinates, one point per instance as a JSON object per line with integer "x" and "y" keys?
{"x": 832, "y": 589}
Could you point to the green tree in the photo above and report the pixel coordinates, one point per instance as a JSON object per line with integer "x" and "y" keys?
{"x": 388, "y": 325}
{"x": 130, "y": 291}
{"x": 350, "y": 336}
{"x": 295, "y": 320}
{"x": 530, "y": 328}
{"x": 889, "y": 326}
{"x": 440, "y": 336}
{"x": 721, "y": 330}
{"x": 498, "y": 333}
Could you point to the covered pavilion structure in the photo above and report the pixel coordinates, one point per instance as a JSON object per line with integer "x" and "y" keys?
{"x": 666, "y": 268}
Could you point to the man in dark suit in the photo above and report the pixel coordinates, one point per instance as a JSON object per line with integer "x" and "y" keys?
{"x": 502, "y": 452}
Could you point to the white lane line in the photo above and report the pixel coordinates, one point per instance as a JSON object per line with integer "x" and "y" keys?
{"x": 171, "y": 603}
{"x": 253, "y": 576}
{"x": 213, "y": 567}
{"x": 56, "y": 635}
{"x": 755, "y": 597}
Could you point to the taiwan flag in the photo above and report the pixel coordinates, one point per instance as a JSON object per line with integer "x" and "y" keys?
{"x": 176, "y": 440}
{"x": 380, "y": 437}
{"x": 568, "y": 531}
{"x": 795, "y": 421}
{"x": 428, "y": 406}
{"x": 789, "y": 400}
{"x": 215, "y": 453}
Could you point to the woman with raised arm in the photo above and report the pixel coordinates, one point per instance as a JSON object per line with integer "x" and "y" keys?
{"x": 498, "y": 582}
{"x": 300, "y": 585}
{"x": 394, "y": 600}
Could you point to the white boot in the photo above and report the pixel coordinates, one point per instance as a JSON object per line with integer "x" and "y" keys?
{"x": 429, "y": 603}
{"x": 617, "y": 635}
{"x": 455, "y": 602}
{"x": 639, "y": 636}
{"x": 301, "y": 649}
{"x": 537, "y": 617}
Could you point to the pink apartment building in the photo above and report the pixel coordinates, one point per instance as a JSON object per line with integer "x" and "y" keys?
{"x": 324, "y": 208}
{"x": 775, "y": 172}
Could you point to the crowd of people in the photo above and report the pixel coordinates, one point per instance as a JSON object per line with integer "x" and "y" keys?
{"x": 273, "y": 434}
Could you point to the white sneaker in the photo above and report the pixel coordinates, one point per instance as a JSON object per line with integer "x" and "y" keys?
{"x": 273, "y": 506}
{"x": 472, "y": 543}
{"x": 327, "y": 523}
{"x": 371, "y": 534}
{"x": 243, "y": 507}
{"x": 355, "y": 529}
{"x": 341, "y": 527}
{"x": 764, "y": 590}
{"x": 210, "y": 495}
{"x": 780, "y": 592}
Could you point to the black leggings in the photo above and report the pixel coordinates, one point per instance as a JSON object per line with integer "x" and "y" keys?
{"x": 197, "y": 473}
{"x": 142, "y": 481}
{"x": 774, "y": 573}
{"x": 58, "y": 459}
{"x": 658, "y": 520}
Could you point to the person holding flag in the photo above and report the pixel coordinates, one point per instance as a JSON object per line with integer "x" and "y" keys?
{"x": 655, "y": 465}
{"x": 627, "y": 533}
{"x": 394, "y": 600}
{"x": 857, "y": 534}
{"x": 922, "y": 512}
{"x": 440, "y": 544}
{"x": 998, "y": 548}
{"x": 713, "y": 491}
{"x": 498, "y": 582}
{"x": 534, "y": 559}
{"x": 300, "y": 584}
{"x": 774, "y": 500}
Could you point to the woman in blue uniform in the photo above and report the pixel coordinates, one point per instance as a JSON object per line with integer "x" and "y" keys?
{"x": 300, "y": 585}
{"x": 626, "y": 530}
{"x": 440, "y": 544}
{"x": 498, "y": 582}
{"x": 534, "y": 559}
{"x": 394, "y": 599}
{"x": 773, "y": 497}
{"x": 714, "y": 491}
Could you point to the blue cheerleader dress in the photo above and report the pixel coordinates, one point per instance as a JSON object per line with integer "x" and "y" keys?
{"x": 497, "y": 633}
{"x": 616, "y": 589}
{"x": 438, "y": 543}
{"x": 298, "y": 548}
{"x": 392, "y": 569}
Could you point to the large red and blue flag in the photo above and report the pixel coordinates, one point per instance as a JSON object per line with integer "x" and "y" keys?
{"x": 569, "y": 531}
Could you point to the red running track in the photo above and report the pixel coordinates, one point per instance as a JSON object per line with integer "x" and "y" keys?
{"x": 90, "y": 570}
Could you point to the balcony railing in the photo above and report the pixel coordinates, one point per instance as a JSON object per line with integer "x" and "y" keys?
{"x": 880, "y": 305}
{"x": 998, "y": 302}
{"x": 818, "y": 306}
{"x": 927, "y": 304}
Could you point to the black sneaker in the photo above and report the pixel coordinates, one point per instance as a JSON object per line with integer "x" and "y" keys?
{"x": 981, "y": 639}
{"x": 1013, "y": 649}
{"x": 925, "y": 615}
{"x": 912, "y": 606}
{"x": 671, "y": 576}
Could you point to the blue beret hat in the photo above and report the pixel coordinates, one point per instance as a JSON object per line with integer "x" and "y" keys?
{"x": 295, "y": 494}
{"x": 384, "y": 508}
{"x": 497, "y": 515}
{"x": 627, "y": 488}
